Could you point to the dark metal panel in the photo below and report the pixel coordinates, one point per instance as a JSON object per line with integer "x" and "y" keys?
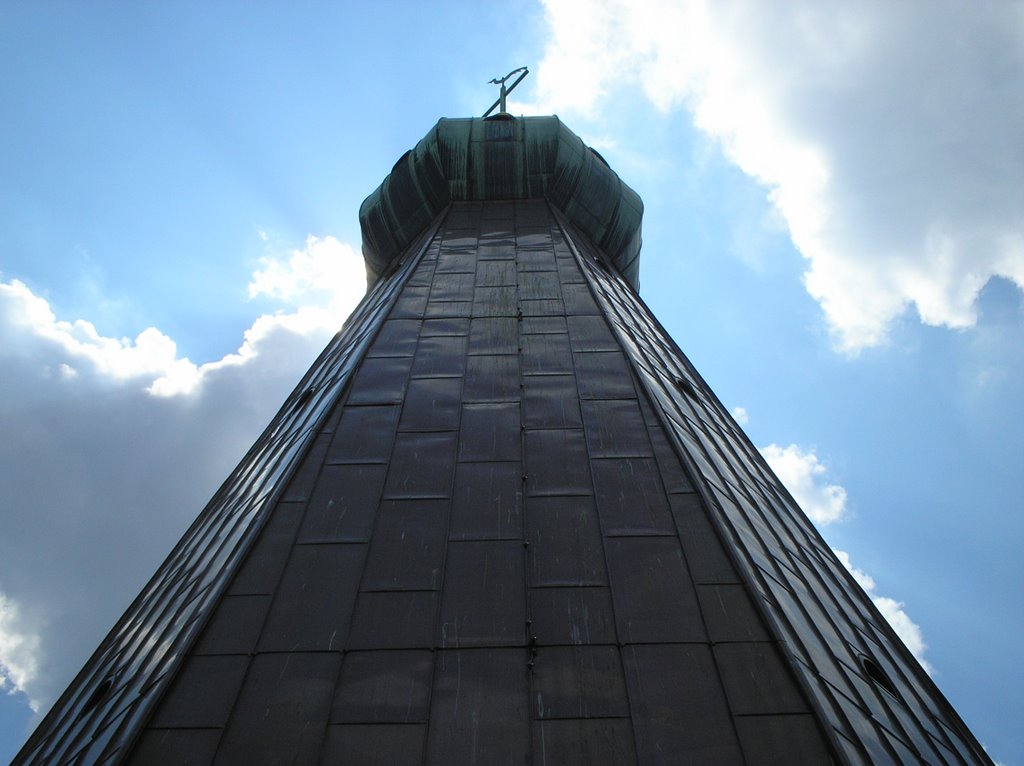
{"x": 263, "y": 565}
{"x": 549, "y": 401}
{"x": 756, "y": 680}
{"x": 500, "y": 249}
{"x": 556, "y": 463}
{"x": 490, "y": 432}
{"x": 450, "y": 309}
{"x": 410, "y": 303}
{"x": 380, "y": 381}
{"x": 451, "y": 261}
{"x": 495, "y": 273}
{"x": 421, "y": 465}
{"x": 578, "y": 300}
{"x": 542, "y": 308}
{"x": 729, "y": 614}
{"x": 673, "y": 475}
{"x": 484, "y": 597}
{"x": 537, "y": 260}
{"x": 313, "y": 604}
{"x": 538, "y": 285}
{"x": 397, "y": 337}
{"x": 453, "y": 287}
{"x": 494, "y": 335}
{"x": 546, "y": 354}
{"x": 630, "y": 499}
{"x": 565, "y": 542}
{"x": 615, "y": 428}
{"x": 235, "y": 626}
{"x": 602, "y": 742}
{"x": 654, "y": 599}
{"x": 705, "y": 556}
{"x": 579, "y": 682}
{"x": 492, "y": 684}
{"x": 535, "y": 325}
{"x": 591, "y": 333}
{"x": 300, "y": 486}
{"x": 373, "y": 744}
{"x": 440, "y": 356}
{"x": 282, "y": 711}
{"x": 407, "y": 551}
{"x": 487, "y": 502}
{"x": 445, "y": 326}
{"x": 770, "y": 740}
{"x": 491, "y": 379}
{"x": 494, "y": 302}
{"x": 364, "y": 435}
{"x": 432, "y": 404}
{"x": 203, "y": 692}
{"x": 394, "y": 620}
{"x": 604, "y": 375}
{"x": 679, "y": 712}
{"x": 187, "y": 747}
{"x": 384, "y": 687}
{"x": 572, "y": 616}
{"x": 343, "y": 504}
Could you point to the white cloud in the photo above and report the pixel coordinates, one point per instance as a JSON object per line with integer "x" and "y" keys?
{"x": 893, "y": 611}
{"x": 888, "y": 135}
{"x": 803, "y": 475}
{"x": 19, "y": 650}
{"x": 114, "y": 445}
{"x": 741, "y": 416}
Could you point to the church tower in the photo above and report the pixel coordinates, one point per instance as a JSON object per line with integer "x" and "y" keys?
{"x": 502, "y": 520}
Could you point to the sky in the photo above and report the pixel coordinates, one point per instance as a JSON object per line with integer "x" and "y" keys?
{"x": 834, "y": 234}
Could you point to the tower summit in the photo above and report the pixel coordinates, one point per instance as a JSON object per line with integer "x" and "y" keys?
{"x": 502, "y": 520}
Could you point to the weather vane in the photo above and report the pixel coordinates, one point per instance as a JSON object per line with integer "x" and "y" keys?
{"x": 500, "y": 103}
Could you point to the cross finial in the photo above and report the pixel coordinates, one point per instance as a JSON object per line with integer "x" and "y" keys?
{"x": 500, "y": 103}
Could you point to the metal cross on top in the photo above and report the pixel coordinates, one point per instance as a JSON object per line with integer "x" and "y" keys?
{"x": 500, "y": 103}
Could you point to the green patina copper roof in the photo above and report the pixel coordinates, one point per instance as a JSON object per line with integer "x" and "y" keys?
{"x": 501, "y": 158}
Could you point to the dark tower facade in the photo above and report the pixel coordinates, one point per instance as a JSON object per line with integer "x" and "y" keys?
{"x": 502, "y": 520}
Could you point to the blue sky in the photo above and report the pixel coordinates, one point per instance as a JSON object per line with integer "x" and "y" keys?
{"x": 834, "y": 233}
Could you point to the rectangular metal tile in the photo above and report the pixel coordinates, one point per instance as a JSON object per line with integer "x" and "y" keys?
{"x": 364, "y": 435}
{"x": 453, "y": 287}
{"x": 578, "y": 300}
{"x": 157, "y": 747}
{"x": 572, "y": 615}
{"x": 203, "y": 692}
{"x": 440, "y": 356}
{"x": 492, "y": 683}
{"x": 281, "y": 716}
{"x": 673, "y": 474}
{"x": 630, "y": 498}
{"x": 487, "y": 502}
{"x": 546, "y": 354}
{"x": 533, "y": 325}
{"x": 384, "y": 687}
{"x": 565, "y": 542}
{"x": 484, "y": 598}
{"x": 313, "y": 604}
{"x": 451, "y": 261}
{"x": 591, "y": 333}
{"x": 235, "y": 625}
{"x": 601, "y": 742}
{"x": 615, "y": 428}
{"x": 397, "y": 337}
{"x": 705, "y": 556}
{"x": 394, "y": 620}
{"x": 542, "y": 308}
{"x": 495, "y": 302}
{"x": 654, "y": 599}
{"x": 300, "y": 485}
{"x": 495, "y": 273}
{"x": 344, "y": 503}
{"x": 768, "y": 740}
{"x": 494, "y": 335}
{"x": 730, "y": 614}
{"x": 536, "y": 260}
{"x": 407, "y": 551}
{"x": 604, "y": 375}
{"x": 490, "y": 432}
{"x": 432, "y": 404}
{"x": 497, "y": 249}
{"x": 445, "y": 326}
{"x": 679, "y": 710}
{"x": 264, "y": 563}
{"x": 373, "y": 744}
{"x": 556, "y": 463}
{"x": 539, "y": 285}
{"x": 550, "y": 401}
{"x": 579, "y": 682}
{"x": 491, "y": 379}
{"x": 756, "y": 679}
{"x": 421, "y": 466}
{"x": 448, "y": 310}
{"x": 380, "y": 381}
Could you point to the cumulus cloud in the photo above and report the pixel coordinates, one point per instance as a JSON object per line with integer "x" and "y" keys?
{"x": 887, "y": 135}
{"x": 741, "y": 415}
{"x": 113, "y": 445}
{"x": 803, "y": 475}
{"x": 893, "y": 611}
